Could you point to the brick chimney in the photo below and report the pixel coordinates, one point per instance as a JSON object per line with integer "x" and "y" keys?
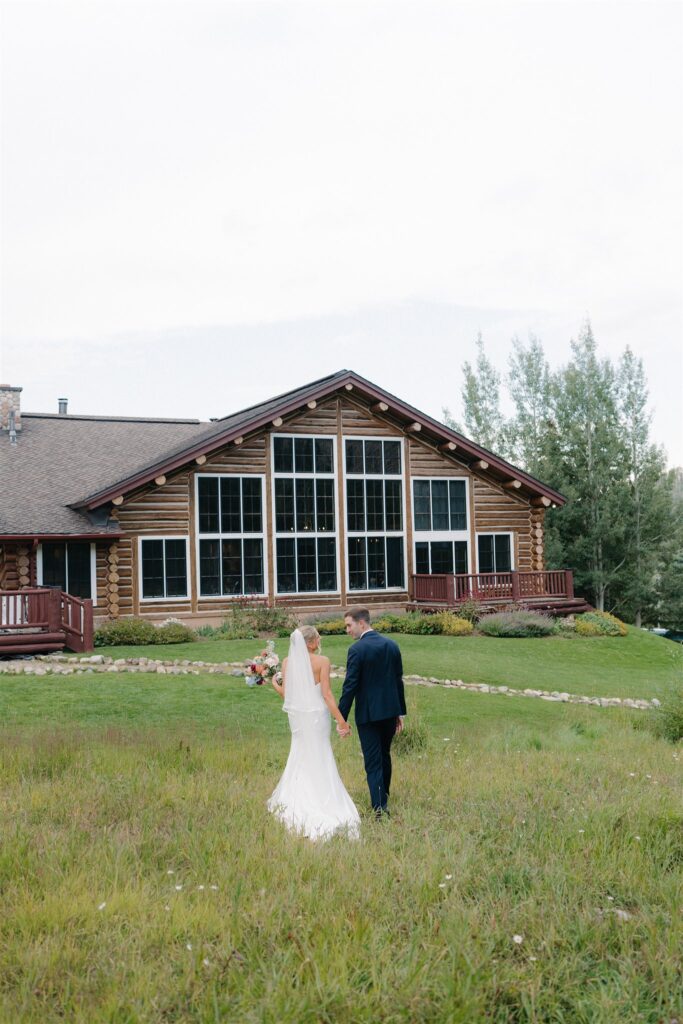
{"x": 10, "y": 402}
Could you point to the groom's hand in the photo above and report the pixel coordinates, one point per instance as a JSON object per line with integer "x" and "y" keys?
{"x": 399, "y": 725}
{"x": 344, "y": 730}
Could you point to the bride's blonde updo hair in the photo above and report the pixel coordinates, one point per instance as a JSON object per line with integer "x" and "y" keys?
{"x": 310, "y": 635}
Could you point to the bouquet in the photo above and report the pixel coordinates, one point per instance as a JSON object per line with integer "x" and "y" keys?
{"x": 263, "y": 667}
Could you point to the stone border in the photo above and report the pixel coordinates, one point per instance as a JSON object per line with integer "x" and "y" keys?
{"x": 60, "y": 664}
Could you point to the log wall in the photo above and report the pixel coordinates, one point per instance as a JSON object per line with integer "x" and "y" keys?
{"x": 169, "y": 510}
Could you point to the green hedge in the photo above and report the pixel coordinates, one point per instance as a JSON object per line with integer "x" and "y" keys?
{"x": 139, "y": 633}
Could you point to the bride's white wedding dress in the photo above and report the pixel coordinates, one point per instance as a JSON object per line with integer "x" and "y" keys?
{"x": 310, "y": 798}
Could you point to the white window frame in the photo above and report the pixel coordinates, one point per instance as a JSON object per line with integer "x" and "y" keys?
{"x": 93, "y": 565}
{"x": 442, "y": 535}
{"x": 376, "y": 533}
{"x": 231, "y": 536}
{"x": 313, "y": 533}
{"x": 164, "y": 536}
{"x": 497, "y": 533}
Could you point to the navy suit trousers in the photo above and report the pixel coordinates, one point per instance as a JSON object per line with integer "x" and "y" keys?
{"x": 375, "y": 741}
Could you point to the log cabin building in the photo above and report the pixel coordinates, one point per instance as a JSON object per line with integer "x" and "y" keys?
{"x": 332, "y": 494}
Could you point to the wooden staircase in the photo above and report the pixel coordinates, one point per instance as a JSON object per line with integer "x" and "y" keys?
{"x": 40, "y": 620}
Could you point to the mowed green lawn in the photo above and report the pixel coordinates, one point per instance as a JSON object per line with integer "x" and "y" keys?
{"x": 141, "y": 878}
{"x": 637, "y": 665}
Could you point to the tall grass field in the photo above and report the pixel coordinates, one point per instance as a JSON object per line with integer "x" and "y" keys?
{"x": 532, "y": 870}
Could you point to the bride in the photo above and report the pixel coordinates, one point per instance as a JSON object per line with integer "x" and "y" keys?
{"x": 310, "y": 798}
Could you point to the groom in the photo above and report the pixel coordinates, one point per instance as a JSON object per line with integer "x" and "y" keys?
{"x": 374, "y": 677}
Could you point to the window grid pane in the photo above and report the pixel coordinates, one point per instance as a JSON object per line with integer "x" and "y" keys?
{"x": 230, "y": 507}
{"x": 374, "y": 507}
{"x": 176, "y": 568}
{"x": 305, "y": 506}
{"x": 152, "y": 568}
{"x": 207, "y": 490}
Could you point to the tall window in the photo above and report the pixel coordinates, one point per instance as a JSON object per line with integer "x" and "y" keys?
{"x": 374, "y": 514}
{"x": 68, "y": 566}
{"x": 495, "y": 552}
{"x": 440, "y": 526}
{"x": 304, "y": 494}
{"x": 163, "y": 562}
{"x": 231, "y": 528}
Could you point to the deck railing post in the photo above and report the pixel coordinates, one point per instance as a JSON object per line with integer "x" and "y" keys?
{"x": 54, "y": 611}
{"x": 515, "y": 585}
{"x": 569, "y": 583}
{"x": 88, "y": 633}
{"x": 450, "y": 591}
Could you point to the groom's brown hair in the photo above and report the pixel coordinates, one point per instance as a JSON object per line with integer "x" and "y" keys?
{"x": 358, "y": 615}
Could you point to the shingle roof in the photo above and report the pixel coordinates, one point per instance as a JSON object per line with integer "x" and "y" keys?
{"x": 57, "y": 459}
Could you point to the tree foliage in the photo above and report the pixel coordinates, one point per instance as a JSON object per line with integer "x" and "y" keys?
{"x": 585, "y": 431}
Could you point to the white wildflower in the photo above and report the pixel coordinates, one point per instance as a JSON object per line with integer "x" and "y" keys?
{"x": 102, "y": 906}
{"x": 214, "y": 887}
{"x": 581, "y": 831}
{"x": 518, "y": 939}
{"x": 170, "y": 871}
{"x": 533, "y": 958}
{"x": 611, "y": 899}
{"x": 442, "y": 885}
{"x": 178, "y": 888}
{"x": 206, "y": 962}
{"x": 448, "y": 877}
{"x": 167, "y": 907}
{"x": 200, "y": 887}
{"x": 188, "y": 947}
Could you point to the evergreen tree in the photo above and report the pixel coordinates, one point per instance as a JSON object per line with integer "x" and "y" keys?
{"x": 648, "y": 491}
{"x": 529, "y": 385}
{"x": 588, "y": 460}
{"x": 480, "y": 396}
{"x": 668, "y": 608}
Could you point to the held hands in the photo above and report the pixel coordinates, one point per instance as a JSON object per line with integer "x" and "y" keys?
{"x": 343, "y": 730}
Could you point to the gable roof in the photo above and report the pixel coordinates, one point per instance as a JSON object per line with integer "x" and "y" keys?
{"x": 65, "y": 470}
{"x": 256, "y": 417}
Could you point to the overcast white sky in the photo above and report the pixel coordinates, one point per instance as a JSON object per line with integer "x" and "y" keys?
{"x": 204, "y": 204}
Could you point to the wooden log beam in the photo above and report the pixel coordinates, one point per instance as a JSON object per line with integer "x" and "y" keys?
{"x": 118, "y": 500}
{"x": 160, "y": 480}
{"x": 380, "y": 407}
{"x": 480, "y": 464}
{"x": 349, "y": 387}
{"x": 513, "y": 485}
{"x": 312, "y": 404}
{"x": 200, "y": 460}
{"x": 414, "y": 428}
{"x": 449, "y": 446}
{"x": 239, "y": 440}
{"x": 278, "y": 421}
{"x": 541, "y": 502}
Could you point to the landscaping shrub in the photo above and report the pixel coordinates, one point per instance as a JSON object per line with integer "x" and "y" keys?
{"x": 272, "y": 620}
{"x": 122, "y": 632}
{"x": 331, "y": 627}
{"x": 450, "y": 624}
{"x": 599, "y": 624}
{"x": 470, "y": 610}
{"x": 174, "y": 633}
{"x": 516, "y": 624}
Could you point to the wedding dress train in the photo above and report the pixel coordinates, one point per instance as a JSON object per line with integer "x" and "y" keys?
{"x": 310, "y": 798}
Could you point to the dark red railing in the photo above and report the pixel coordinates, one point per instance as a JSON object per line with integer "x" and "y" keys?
{"x": 76, "y": 614}
{"x": 38, "y": 610}
{"x": 452, "y": 589}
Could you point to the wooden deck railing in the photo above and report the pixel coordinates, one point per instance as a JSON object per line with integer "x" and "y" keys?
{"x": 452, "y": 589}
{"x": 44, "y": 610}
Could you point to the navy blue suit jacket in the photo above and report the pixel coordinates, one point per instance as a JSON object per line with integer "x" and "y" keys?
{"x": 374, "y": 678}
